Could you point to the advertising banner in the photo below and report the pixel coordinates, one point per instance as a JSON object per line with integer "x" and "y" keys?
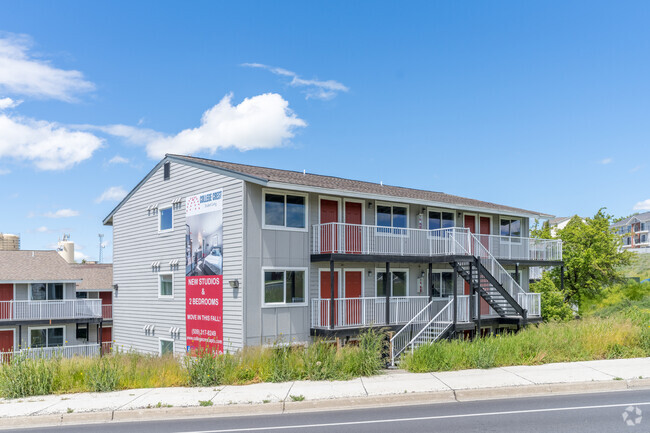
{"x": 204, "y": 271}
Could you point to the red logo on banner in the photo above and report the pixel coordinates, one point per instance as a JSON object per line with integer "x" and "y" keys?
{"x": 204, "y": 313}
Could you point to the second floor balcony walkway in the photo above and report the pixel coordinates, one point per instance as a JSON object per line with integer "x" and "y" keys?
{"x": 342, "y": 238}
{"x": 72, "y": 309}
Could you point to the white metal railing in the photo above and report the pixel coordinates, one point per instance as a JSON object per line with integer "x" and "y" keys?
{"x": 518, "y": 248}
{"x": 44, "y": 310}
{"x": 107, "y": 311}
{"x": 363, "y": 239}
{"x": 342, "y": 238}
{"x": 531, "y": 302}
{"x": 82, "y": 350}
{"x": 355, "y": 312}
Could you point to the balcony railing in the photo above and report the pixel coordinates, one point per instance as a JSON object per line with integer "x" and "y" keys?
{"x": 49, "y": 310}
{"x": 107, "y": 311}
{"x": 342, "y": 238}
{"x": 82, "y": 350}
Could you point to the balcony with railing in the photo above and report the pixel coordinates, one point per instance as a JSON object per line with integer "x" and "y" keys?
{"x": 81, "y": 350}
{"x": 367, "y": 312}
{"x": 342, "y": 238}
{"x": 50, "y": 310}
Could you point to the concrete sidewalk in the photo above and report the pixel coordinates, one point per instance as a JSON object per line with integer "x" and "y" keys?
{"x": 392, "y": 387}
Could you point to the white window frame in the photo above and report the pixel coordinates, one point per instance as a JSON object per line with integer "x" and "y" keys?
{"x": 440, "y": 272}
{"x": 512, "y": 239}
{"x": 160, "y": 209}
{"x": 161, "y": 296}
{"x": 168, "y": 340}
{"x": 29, "y": 335}
{"x": 285, "y": 194}
{"x": 29, "y": 295}
{"x": 379, "y": 229}
{"x": 383, "y": 270}
{"x": 284, "y": 288}
{"x": 441, "y": 210}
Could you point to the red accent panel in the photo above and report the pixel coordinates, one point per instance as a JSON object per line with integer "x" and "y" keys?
{"x": 329, "y": 213}
{"x": 6, "y": 294}
{"x": 325, "y": 293}
{"x": 106, "y": 297}
{"x": 353, "y": 290}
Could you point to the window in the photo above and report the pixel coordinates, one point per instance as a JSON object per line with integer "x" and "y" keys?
{"x": 511, "y": 227}
{"x": 398, "y": 283}
{"x": 166, "y": 347}
{"x": 166, "y": 171}
{"x": 46, "y": 337}
{"x": 165, "y": 285}
{"x": 391, "y": 216}
{"x": 440, "y": 220}
{"x": 285, "y": 210}
{"x": 166, "y": 222}
{"x": 82, "y": 331}
{"x": 82, "y": 295}
{"x": 443, "y": 284}
{"x": 284, "y": 287}
{"x": 47, "y": 292}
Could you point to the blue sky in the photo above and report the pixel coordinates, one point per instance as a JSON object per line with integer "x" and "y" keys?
{"x": 540, "y": 105}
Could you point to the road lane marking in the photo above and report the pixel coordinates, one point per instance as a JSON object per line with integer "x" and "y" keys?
{"x": 420, "y": 418}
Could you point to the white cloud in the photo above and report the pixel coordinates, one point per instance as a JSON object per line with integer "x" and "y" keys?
{"x": 21, "y": 73}
{"x": 42, "y": 229}
{"x": 117, "y": 159}
{"x": 62, "y": 213}
{"x": 642, "y": 205}
{"x": 313, "y": 88}
{"x": 48, "y": 145}
{"x": 261, "y": 122}
{"x": 8, "y": 103}
{"x": 606, "y": 161}
{"x": 79, "y": 256}
{"x": 114, "y": 193}
{"x": 4, "y": 171}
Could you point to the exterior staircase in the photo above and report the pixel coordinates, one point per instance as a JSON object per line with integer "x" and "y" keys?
{"x": 487, "y": 277}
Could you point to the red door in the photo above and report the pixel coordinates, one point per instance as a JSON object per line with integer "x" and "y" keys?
{"x": 329, "y": 213}
{"x": 470, "y": 223}
{"x": 107, "y": 304}
{"x": 6, "y": 344}
{"x": 107, "y": 339}
{"x": 6, "y": 295}
{"x": 353, "y": 233}
{"x": 325, "y": 294}
{"x": 353, "y": 297}
{"x": 484, "y": 228}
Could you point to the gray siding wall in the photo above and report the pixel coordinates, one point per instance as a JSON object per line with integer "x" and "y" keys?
{"x": 276, "y": 249}
{"x": 137, "y": 243}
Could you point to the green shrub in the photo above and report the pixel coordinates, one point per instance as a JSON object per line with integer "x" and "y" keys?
{"x": 367, "y": 358}
{"x": 23, "y": 377}
{"x": 319, "y": 361}
{"x": 554, "y": 306}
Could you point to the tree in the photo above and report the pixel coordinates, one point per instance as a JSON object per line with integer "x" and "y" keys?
{"x": 554, "y": 307}
{"x": 592, "y": 257}
{"x": 541, "y": 232}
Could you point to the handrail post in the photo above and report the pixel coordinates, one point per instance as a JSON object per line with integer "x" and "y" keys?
{"x": 455, "y": 289}
{"x": 387, "y": 293}
{"x": 478, "y": 296}
{"x": 332, "y": 294}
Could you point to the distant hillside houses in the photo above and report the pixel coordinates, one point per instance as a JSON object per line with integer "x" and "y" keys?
{"x": 634, "y": 230}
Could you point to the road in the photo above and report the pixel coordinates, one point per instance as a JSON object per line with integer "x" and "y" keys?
{"x": 593, "y": 413}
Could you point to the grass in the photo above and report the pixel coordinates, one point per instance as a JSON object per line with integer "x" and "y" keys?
{"x": 297, "y": 397}
{"x": 616, "y": 325}
{"x": 128, "y": 370}
{"x": 640, "y": 267}
{"x": 205, "y": 403}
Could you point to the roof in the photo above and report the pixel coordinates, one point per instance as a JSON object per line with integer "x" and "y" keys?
{"x": 44, "y": 266}
{"x": 29, "y": 265}
{"x": 94, "y": 276}
{"x": 265, "y": 175}
{"x": 558, "y": 220}
{"x": 641, "y": 217}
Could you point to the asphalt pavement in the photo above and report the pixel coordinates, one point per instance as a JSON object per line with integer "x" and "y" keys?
{"x": 622, "y": 411}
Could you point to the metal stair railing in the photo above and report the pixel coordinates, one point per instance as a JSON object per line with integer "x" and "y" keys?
{"x": 439, "y": 324}
{"x": 399, "y": 341}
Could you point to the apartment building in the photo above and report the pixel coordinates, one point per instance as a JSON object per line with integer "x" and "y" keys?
{"x": 51, "y": 307}
{"x": 211, "y": 253}
{"x": 634, "y": 232}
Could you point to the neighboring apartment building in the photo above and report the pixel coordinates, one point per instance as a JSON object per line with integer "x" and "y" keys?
{"x": 229, "y": 255}
{"x": 9, "y": 242}
{"x": 49, "y": 306}
{"x": 634, "y": 232}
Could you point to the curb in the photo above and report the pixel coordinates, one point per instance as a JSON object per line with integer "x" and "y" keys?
{"x": 347, "y": 403}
